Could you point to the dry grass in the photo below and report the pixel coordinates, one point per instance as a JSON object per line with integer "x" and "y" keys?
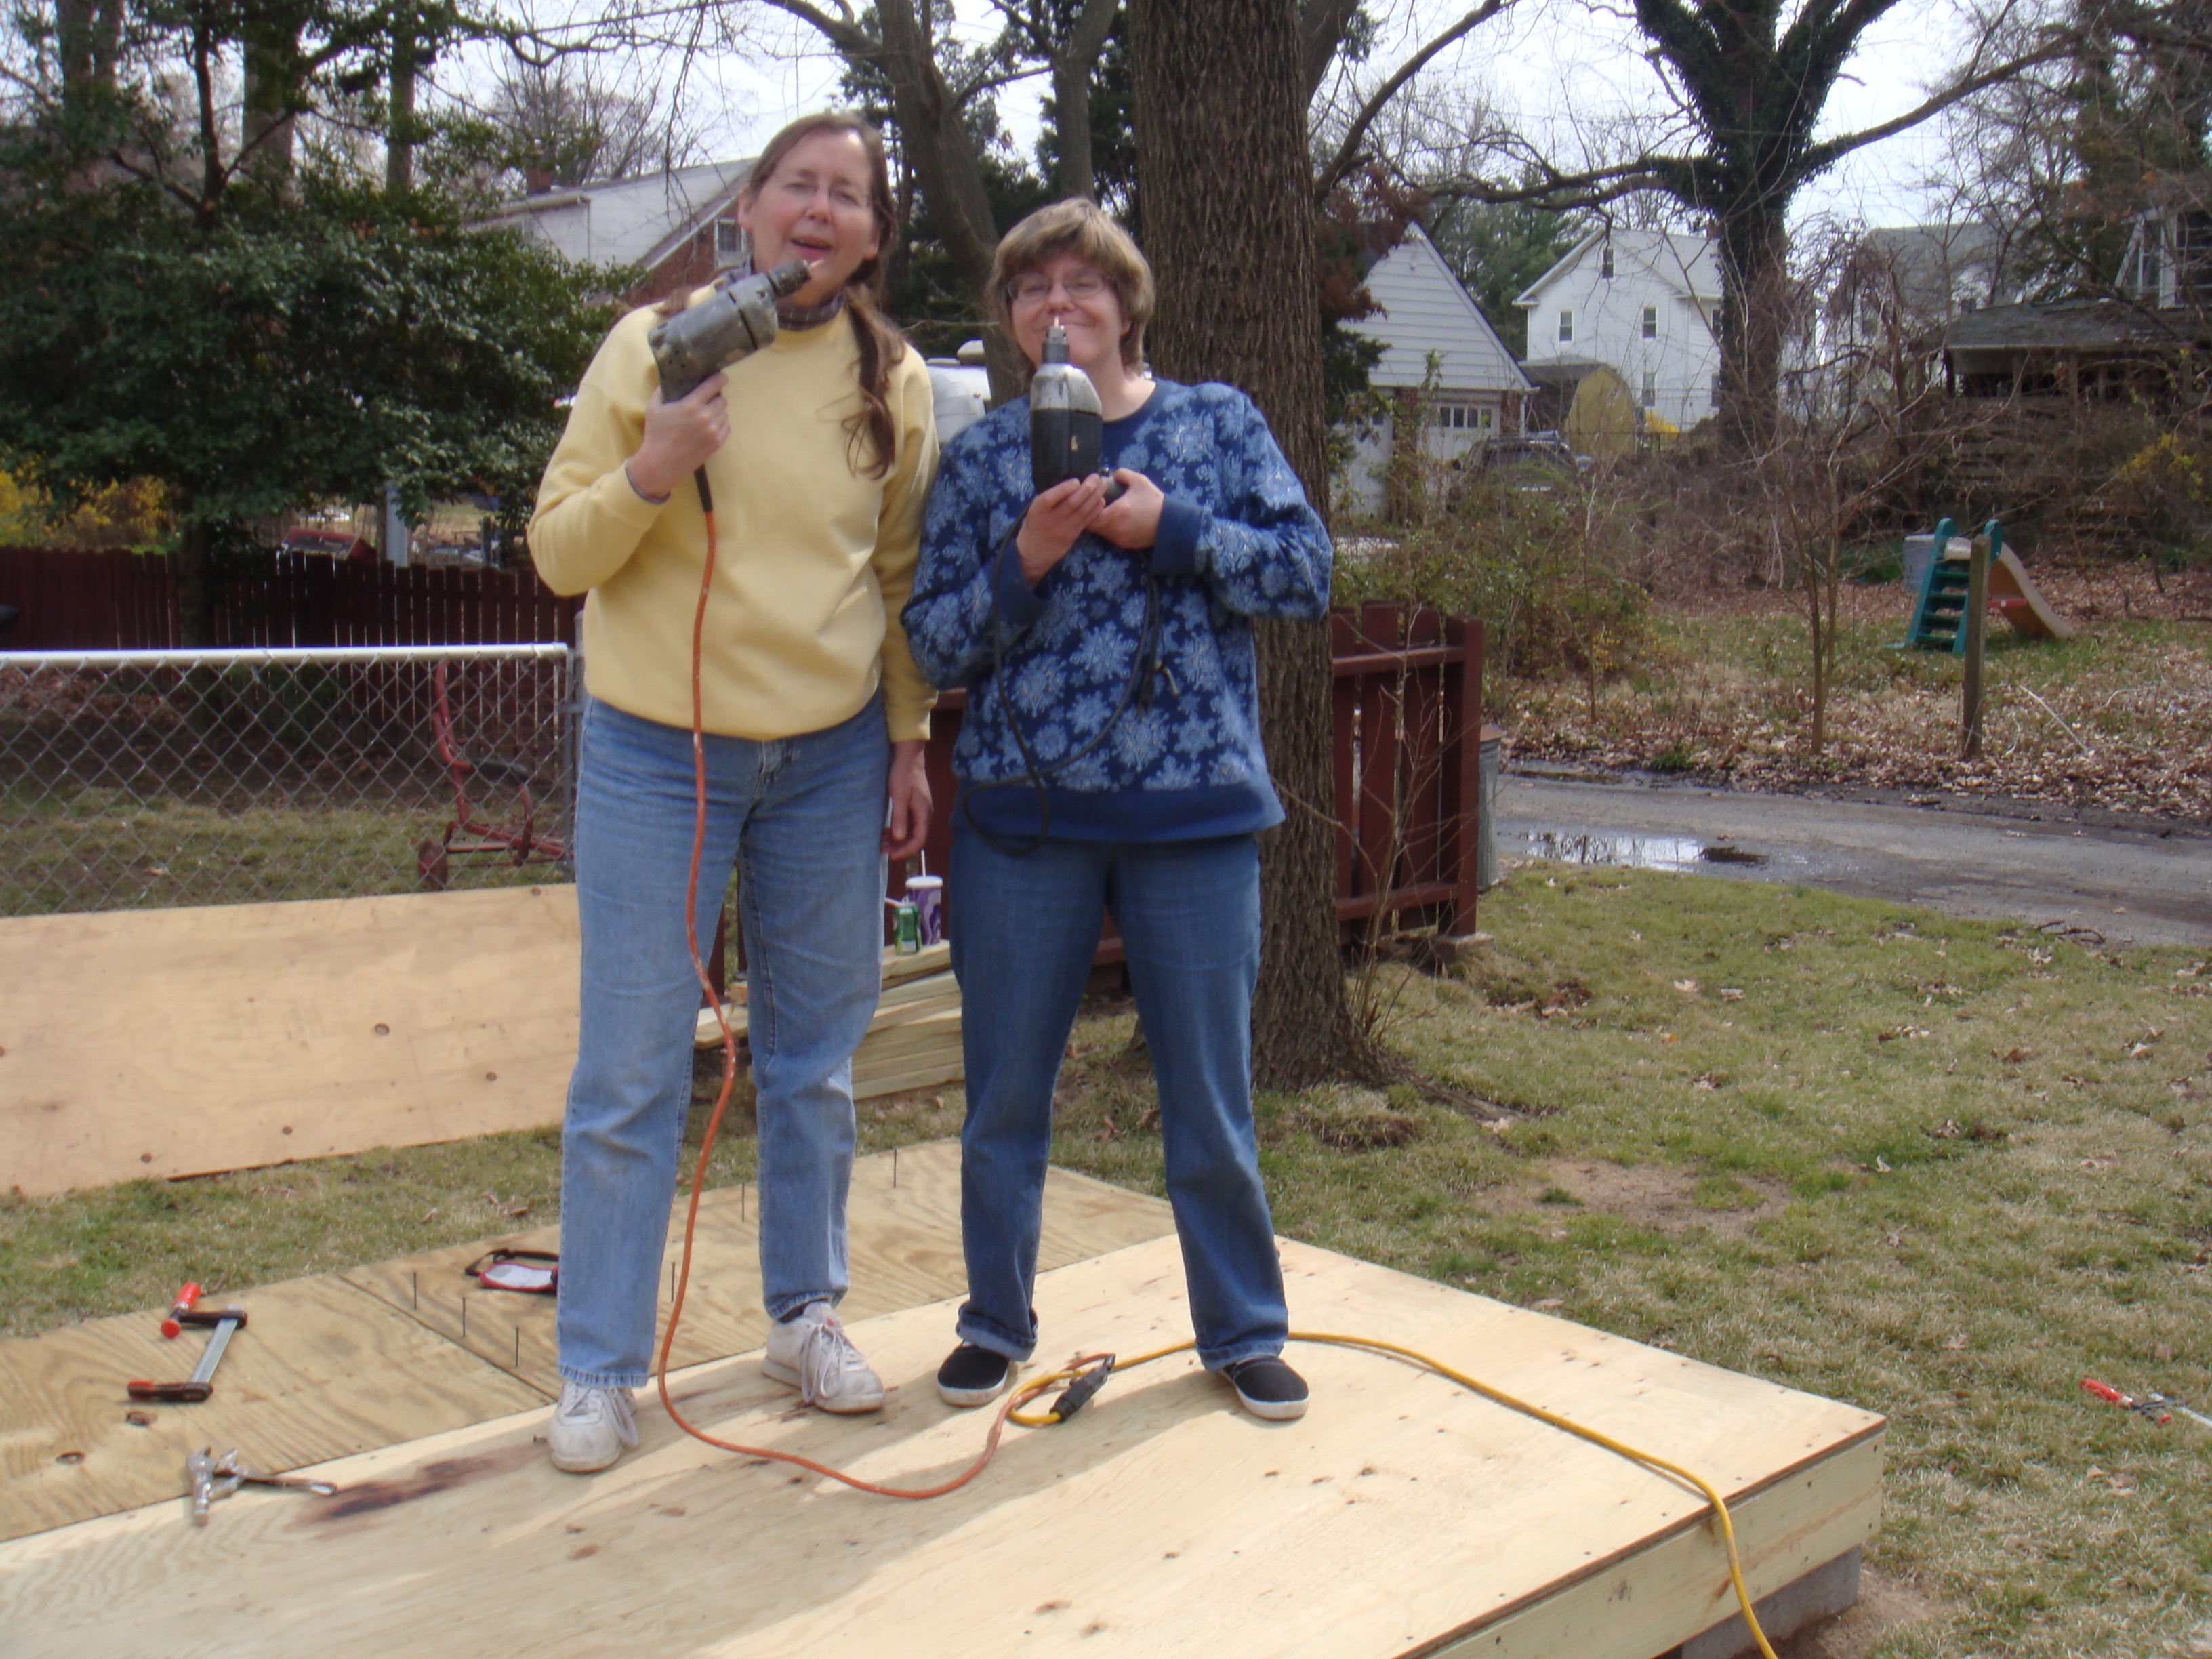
{"x": 2119, "y": 717}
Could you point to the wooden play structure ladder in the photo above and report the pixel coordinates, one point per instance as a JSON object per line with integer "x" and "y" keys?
{"x": 1939, "y": 618}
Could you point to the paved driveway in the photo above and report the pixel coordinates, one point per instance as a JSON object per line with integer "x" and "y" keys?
{"x": 2141, "y": 885}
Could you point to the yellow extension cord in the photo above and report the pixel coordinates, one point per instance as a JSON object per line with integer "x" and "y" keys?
{"x": 1698, "y": 1483}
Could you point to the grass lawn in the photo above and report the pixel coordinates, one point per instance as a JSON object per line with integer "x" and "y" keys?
{"x": 1927, "y": 1166}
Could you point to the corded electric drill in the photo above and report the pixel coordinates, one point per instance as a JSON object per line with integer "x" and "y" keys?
{"x": 1066, "y": 422}
{"x": 700, "y": 341}
{"x": 733, "y": 322}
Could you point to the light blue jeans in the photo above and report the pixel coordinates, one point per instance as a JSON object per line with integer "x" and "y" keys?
{"x": 1024, "y": 932}
{"x": 803, "y": 818}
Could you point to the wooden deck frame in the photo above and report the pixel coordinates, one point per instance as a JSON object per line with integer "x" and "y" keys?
{"x": 1402, "y": 1516}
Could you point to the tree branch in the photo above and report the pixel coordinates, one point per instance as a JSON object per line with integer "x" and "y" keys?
{"x": 1347, "y": 153}
{"x": 1820, "y": 157}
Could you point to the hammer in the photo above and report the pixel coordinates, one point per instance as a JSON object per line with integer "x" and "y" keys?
{"x": 201, "y": 1383}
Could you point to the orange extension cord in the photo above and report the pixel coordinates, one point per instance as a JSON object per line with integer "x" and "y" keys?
{"x": 1080, "y": 1368}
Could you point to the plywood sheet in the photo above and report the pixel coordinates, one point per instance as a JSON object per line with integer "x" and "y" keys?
{"x": 320, "y": 1371}
{"x": 170, "y": 1042}
{"x": 1401, "y": 1515}
{"x": 410, "y": 1347}
{"x": 903, "y": 1228}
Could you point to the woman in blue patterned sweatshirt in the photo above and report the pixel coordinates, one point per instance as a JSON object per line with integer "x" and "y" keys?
{"x": 1110, "y": 761}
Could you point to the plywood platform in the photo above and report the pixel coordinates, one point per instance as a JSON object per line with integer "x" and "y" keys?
{"x": 173, "y": 1042}
{"x": 376, "y": 1356}
{"x": 1401, "y": 1517}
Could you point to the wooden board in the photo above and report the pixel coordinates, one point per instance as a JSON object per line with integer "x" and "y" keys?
{"x": 402, "y": 1349}
{"x": 902, "y": 1229}
{"x": 319, "y": 1370}
{"x": 1401, "y": 1515}
{"x": 171, "y": 1042}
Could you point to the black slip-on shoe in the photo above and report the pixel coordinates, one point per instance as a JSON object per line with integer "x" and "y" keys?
{"x": 1267, "y": 1388}
{"x": 972, "y": 1377}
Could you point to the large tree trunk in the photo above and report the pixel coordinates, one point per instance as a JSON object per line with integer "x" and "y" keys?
{"x": 1222, "y": 167}
{"x": 270, "y": 50}
{"x": 1755, "y": 250}
{"x": 399, "y": 139}
{"x": 86, "y": 33}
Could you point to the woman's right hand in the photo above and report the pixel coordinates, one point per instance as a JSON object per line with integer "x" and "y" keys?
{"x": 679, "y": 437}
{"x": 1054, "y": 522}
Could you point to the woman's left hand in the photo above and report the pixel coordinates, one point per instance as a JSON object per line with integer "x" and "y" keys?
{"x": 1133, "y": 521}
{"x": 910, "y": 802}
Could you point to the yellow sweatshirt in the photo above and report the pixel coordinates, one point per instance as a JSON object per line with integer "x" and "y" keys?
{"x": 814, "y": 559}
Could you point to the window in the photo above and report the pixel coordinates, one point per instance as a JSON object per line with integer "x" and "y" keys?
{"x": 1462, "y": 418}
{"x": 1604, "y": 262}
{"x": 1651, "y": 389}
{"x": 729, "y": 239}
{"x": 1651, "y": 322}
{"x": 1717, "y": 391}
{"x": 1566, "y": 326}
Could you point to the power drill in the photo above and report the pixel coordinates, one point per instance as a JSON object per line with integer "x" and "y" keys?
{"x": 1066, "y": 422}
{"x": 733, "y": 322}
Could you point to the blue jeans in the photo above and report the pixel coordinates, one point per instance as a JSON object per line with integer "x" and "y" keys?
{"x": 803, "y": 818}
{"x": 1024, "y": 932}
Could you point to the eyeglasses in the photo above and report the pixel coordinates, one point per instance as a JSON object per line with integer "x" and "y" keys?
{"x": 1083, "y": 287}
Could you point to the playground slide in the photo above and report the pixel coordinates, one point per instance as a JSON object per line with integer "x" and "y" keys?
{"x": 2016, "y": 596}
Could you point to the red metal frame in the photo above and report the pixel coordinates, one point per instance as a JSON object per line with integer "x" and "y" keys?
{"x": 516, "y": 839}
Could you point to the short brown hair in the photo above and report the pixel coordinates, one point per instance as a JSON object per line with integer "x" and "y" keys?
{"x": 1080, "y": 227}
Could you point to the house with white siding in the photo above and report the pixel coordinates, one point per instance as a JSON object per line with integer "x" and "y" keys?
{"x": 1479, "y": 389}
{"x": 1645, "y": 303}
{"x": 679, "y": 227}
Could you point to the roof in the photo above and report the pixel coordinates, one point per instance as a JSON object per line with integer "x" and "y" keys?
{"x": 1425, "y": 307}
{"x": 1929, "y": 261}
{"x": 630, "y": 222}
{"x": 2076, "y": 325}
{"x": 1564, "y": 373}
{"x": 1687, "y": 263}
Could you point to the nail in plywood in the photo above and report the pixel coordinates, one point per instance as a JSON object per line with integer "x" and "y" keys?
{"x": 904, "y": 1246}
{"x": 402, "y": 1349}
{"x": 1401, "y": 1515}
{"x": 259, "y": 1033}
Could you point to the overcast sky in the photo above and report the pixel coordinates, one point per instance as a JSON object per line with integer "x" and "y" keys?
{"x": 1546, "y": 66}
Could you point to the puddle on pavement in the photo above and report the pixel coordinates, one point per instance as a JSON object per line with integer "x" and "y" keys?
{"x": 1622, "y": 850}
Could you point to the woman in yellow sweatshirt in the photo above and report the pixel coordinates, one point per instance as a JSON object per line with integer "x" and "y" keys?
{"x": 819, "y": 449}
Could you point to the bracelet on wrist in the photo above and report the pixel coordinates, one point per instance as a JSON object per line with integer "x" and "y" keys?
{"x": 639, "y": 490}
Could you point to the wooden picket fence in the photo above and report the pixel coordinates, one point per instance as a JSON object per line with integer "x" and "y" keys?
{"x": 113, "y": 600}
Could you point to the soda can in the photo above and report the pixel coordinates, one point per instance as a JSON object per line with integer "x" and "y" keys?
{"x": 926, "y": 895}
{"x": 906, "y": 929}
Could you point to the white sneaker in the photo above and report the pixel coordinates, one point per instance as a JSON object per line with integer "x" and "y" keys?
{"x": 812, "y": 1354}
{"x": 590, "y": 1427}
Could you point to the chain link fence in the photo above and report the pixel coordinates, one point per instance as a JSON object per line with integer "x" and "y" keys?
{"x": 138, "y": 779}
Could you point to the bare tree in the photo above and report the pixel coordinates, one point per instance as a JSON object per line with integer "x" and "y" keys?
{"x": 1749, "y": 83}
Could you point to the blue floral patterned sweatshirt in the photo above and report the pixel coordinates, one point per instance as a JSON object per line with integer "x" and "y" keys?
{"x": 1237, "y": 540}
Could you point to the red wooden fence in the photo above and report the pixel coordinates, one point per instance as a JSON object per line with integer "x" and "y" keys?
{"x": 115, "y": 600}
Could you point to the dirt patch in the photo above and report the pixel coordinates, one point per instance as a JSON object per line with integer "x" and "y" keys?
{"x": 1665, "y": 1200}
{"x": 1885, "y": 1606}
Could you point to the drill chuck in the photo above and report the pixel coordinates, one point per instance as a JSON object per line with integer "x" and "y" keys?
{"x": 734, "y": 321}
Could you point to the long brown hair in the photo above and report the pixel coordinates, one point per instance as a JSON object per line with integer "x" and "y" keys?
{"x": 881, "y": 345}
